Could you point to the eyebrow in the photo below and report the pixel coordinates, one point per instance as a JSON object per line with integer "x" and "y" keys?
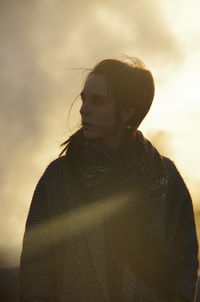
{"x": 93, "y": 94}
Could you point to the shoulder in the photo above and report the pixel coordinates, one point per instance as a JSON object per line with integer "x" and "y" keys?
{"x": 177, "y": 188}
{"x": 170, "y": 166}
{"x": 57, "y": 165}
{"x": 55, "y": 170}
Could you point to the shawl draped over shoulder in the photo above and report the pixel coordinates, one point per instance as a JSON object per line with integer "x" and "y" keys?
{"x": 108, "y": 225}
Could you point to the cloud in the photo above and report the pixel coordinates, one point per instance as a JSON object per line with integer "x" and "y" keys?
{"x": 142, "y": 27}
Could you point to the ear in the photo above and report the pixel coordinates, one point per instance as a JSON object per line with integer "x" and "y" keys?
{"x": 127, "y": 115}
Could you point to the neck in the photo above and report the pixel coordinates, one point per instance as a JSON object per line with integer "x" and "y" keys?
{"x": 115, "y": 142}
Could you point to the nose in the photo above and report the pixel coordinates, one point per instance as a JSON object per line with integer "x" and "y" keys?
{"x": 85, "y": 108}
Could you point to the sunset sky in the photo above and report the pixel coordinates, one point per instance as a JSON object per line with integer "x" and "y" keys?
{"x": 44, "y": 43}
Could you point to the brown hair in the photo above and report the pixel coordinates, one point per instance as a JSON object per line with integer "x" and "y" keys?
{"x": 132, "y": 86}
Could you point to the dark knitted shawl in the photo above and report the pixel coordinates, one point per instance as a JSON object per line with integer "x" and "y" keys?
{"x": 136, "y": 171}
{"x": 136, "y": 163}
{"x": 121, "y": 240}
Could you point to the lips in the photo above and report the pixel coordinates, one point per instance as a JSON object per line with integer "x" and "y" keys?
{"x": 86, "y": 124}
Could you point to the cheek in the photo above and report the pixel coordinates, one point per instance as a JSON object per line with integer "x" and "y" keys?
{"x": 107, "y": 115}
{"x": 111, "y": 119}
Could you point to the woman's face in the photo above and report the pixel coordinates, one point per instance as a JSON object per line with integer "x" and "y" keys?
{"x": 98, "y": 110}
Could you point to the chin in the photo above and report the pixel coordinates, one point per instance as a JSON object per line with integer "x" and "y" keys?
{"x": 91, "y": 134}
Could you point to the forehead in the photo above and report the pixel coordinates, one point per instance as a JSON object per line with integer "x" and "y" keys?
{"x": 96, "y": 84}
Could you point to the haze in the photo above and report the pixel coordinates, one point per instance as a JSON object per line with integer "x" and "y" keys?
{"x": 43, "y": 46}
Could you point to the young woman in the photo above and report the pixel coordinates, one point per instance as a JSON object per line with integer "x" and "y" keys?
{"x": 112, "y": 219}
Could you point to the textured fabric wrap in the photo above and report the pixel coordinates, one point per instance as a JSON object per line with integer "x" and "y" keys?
{"x": 110, "y": 226}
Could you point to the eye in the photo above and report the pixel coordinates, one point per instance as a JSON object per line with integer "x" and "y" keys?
{"x": 95, "y": 98}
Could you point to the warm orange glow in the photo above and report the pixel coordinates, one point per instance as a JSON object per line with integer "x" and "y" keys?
{"x": 43, "y": 40}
